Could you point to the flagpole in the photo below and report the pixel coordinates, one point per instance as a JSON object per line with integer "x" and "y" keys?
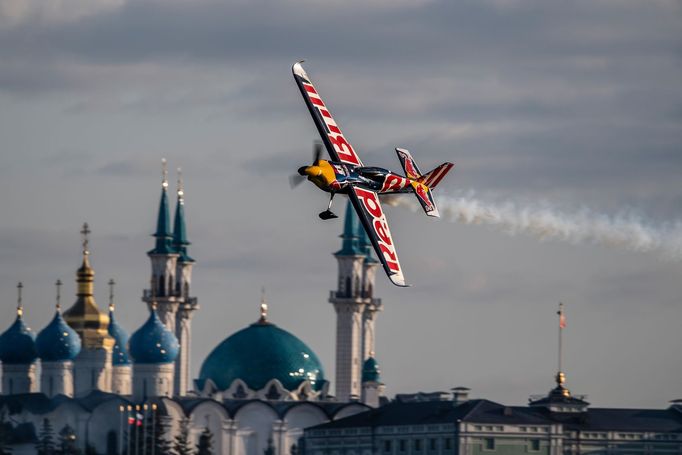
{"x": 561, "y": 330}
{"x": 137, "y": 430}
{"x": 153, "y": 427}
{"x": 128, "y": 442}
{"x": 121, "y": 408}
{"x": 144, "y": 429}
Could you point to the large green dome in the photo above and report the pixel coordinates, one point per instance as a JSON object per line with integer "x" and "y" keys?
{"x": 259, "y": 353}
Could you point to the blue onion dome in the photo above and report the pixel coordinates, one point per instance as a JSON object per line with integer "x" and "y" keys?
{"x": 259, "y": 353}
{"x": 58, "y": 341}
{"x": 370, "y": 370}
{"x": 17, "y": 344}
{"x": 119, "y": 355}
{"x": 153, "y": 342}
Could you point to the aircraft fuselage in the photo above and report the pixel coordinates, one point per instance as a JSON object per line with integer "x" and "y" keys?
{"x": 338, "y": 177}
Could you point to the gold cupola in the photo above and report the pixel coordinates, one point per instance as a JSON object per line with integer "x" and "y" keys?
{"x": 84, "y": 316}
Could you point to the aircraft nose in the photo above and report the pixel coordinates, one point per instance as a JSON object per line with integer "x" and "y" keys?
{"x": 301, "y": 170}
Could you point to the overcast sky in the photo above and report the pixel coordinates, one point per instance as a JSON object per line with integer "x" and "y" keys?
{"x": 571, "y": 105}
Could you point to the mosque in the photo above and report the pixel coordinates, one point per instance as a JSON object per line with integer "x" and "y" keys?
{"x": 91, "y": 384}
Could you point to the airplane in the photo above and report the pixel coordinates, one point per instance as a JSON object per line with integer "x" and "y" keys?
{"x": 346, "y": 174}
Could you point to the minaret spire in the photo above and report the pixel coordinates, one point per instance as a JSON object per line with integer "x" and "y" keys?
{"x": 180, "y": 241}
{"x": 163, "y": 233}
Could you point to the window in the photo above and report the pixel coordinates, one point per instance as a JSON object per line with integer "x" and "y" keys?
{"x": 387, "y": 446}
{"x": 417, "y": 445}
{"x": 448, "y": 443}
{"x": 432, "y": 444}
{"x": 401, "y": 445}
{"x": 534, "y": 445}
{"x": 488, "y": 444}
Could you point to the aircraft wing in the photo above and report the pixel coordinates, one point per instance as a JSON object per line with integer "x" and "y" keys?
{"x": 372, "y": 216}
{"x": 338, "y": 147}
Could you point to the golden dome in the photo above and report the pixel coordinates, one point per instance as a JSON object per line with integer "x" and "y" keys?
{"x": 84, "y": 316}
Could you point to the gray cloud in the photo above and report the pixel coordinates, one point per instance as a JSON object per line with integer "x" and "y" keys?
{"x": 573, "y": 103}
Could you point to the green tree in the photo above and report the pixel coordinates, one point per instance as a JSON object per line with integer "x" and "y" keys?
{"x": 46, "y": 444}
{"x": 182, "y": 445}
{"x": 205, "y": 446}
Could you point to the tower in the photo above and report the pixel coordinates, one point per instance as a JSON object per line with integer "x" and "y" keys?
{"x": 92, "y": 366}
{"x": 18, "y": 355}
{"x": 372, "y": 387}
{"x": 57, "y": 345}
{"x": 186, "y": 305}
{"x": 355, "y": 307}
{"x": 164, "y": 263}
{"x": 373, "y": 305}
{"x": 121, "y": 378}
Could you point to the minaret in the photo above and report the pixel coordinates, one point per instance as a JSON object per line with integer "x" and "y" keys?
{"x": 92, "y": 366}
{"x": 186, "y": 305}
{"x": 121, "y": 379}
{"x": 349, "y": 303}
{"x": 57, "y": 345}
{"x": 18, "y": 355}
{"x": 373, "y": 305}
{"x": 372, "y": 387}
{"x": 164, "y": 262}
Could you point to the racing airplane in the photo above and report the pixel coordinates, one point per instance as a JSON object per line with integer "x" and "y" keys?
{"x": 346, "y": 174}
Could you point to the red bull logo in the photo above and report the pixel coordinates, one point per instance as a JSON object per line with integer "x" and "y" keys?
{"x": 370, "y": 204}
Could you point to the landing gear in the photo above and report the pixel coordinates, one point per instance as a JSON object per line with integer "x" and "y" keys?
{"x": 328, "y": 214}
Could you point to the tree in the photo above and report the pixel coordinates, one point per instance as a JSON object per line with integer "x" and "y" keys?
{"x": 205, "y": 446}
{"x": 67, "y": 441}
{"x": 46, "y": 444}
{"x": 182, "y": 445}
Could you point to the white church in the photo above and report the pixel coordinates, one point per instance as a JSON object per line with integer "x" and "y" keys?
{"x": 105, "y": 393}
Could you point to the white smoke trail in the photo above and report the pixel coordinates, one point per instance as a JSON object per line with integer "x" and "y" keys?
{"x": 546, "y": 223}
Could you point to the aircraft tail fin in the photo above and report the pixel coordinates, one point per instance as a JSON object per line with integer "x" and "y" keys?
{"x": 433, "y": 178}
{"x": 409, "y": 166}
{"x": 423, "y": 184}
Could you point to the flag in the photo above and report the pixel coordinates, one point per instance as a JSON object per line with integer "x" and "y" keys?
{"x": 139, "y": 419}
{"x": 131, "y": 419}
{"x": 562, "y": 317}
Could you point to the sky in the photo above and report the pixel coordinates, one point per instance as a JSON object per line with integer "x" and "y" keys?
{"x": 568, "y": 111}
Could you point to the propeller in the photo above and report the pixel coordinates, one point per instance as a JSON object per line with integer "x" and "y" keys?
{"x": 297, "y": 179}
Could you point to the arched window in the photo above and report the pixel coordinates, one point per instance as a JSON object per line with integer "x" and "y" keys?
{"x": 348, "y": 289}
{"x": 162, "y": 286}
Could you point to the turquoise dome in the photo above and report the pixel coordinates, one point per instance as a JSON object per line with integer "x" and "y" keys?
{"x": 259, "y": 353}
{"x": 153, "y": 342}
{"x": 370, "y": 370}
{"x": 17, "y": 344}
{"x": 119, "y": 356}
{"x": 58, "y": 341}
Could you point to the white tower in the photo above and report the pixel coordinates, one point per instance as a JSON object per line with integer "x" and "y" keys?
{"x": 187, "y": 305}
{"x": 355, "y": 307}
{"x": 171, "y": 280}
{"x": 92, "y": 366}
